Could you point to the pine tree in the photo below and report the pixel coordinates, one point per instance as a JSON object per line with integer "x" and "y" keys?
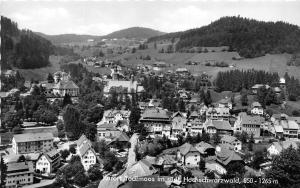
{"x": 50, "y": 78}
{"x": 3, "y": 169}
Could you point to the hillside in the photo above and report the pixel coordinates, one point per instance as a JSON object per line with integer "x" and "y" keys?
{"x": 134, "y": 32}
{"x": 68, "y": 38}
{"x": 22, "y": 48}
{"x": 250, "y": 38}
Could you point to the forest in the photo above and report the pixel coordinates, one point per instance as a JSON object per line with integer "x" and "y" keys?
{"x": 249, "y": 37}
{"x": 23, "y": 48}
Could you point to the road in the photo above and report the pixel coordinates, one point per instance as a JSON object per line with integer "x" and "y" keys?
{"x": 131, "y": 154}
{"x": 130, "y": 161}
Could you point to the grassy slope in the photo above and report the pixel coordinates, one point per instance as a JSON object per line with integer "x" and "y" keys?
{"x": 41, "y": 73}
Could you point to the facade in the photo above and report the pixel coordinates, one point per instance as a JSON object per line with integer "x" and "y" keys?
{"x": 66, "y": 87}
{"x": 219, "y": 113}
{"x": 218, "y": 126}
{"x": 290, "y": 128}
{"x": 249, "y": 124}
{"x": 157, "y": 121}
{"x": 48, "y": 162}
{"x": 19, "y": 174}
{"x": 32, "y": 143}
{"x": 233, "y": 141}
{"x": 178, "y": 124}
{"x": 188, "y": 155}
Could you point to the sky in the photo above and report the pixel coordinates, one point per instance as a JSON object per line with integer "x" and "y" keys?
{"x": 103, "y": 17}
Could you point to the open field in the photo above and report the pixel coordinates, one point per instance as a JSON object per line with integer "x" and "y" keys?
{"x": 41, "y": 73}
{"x": 269, "y": 62}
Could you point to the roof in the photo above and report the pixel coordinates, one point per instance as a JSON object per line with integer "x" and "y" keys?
{"x": 81, "y": 140}
{"x": 122, "y": 137}
{"x": 52, "y": 155}
{"x": 284, "y": 145}
{"x": 278, "y": 129}
{"x": 225, "y": 156}
{"x": 141, "y": 168}
{"x": 128, "y": 84}
{"x": 113, "y": 113}
{"x": 252, "y": 120}
{"x": 256, "y": 104}
{"x": 107, "y": 126}
{"x": 229, "y": 139}
{"x": 219, "y": 124}
{"x": 86, "y": 146}
{"x": 30, "y": 137}
{"x": 186, "y": 148}
{"x": 287, "y": 124}
{"x": 203, "y": 146}
{"x": 20, "y": 167}
{"x": 155, "y": 114}
{"x": 194, "y": 114}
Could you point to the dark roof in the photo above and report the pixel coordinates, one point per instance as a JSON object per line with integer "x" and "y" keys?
{"x": 225, "y": 156}
{"x": 228, "y": 138}
{"x": 30, "y": 137}
{"x": 157, "y": 114}
{"x": 186, "y": 148}
{"x": 219, "y": 124}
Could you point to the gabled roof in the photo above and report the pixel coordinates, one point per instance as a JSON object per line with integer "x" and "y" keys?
{"x": 194, "y": 114}
{"x": 86, "y": 146}
{"x": 51, "y": 155}
{"x": 19, "y": 166}
{"x": 141, "y": 168}
{"x": 203, "y": 146}
{"x": 186, "y": 148}
{"x": 155, "y": 114}
{"x": 219, "y": 124}
{"x": 122, "y": 137}
{"x": 251, "y": 120}
{"x": 30, "y": 137}
{"x": 225, "y": 156}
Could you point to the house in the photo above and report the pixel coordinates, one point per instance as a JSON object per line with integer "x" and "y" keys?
{"x": 188, "y": 155}
{"x": 66, "y": 87}
{"x": 182, "y": 70}
{"x": 120, "y": 141}
{"x": 255, "y": 88}
{"x": 113, "y": 116}
{"x": 140, "y": 169}
{"x": 19, "y": 174}
{"x": 9, "y": 73}
{"x": 226, "y": 157}
{"x": 233, "y": 141}
{"x": 48, "y": 162}
{"x": 277, "y": 131}
{"x": 108, "y": 131}
{"x": 32, "y": 143}
{"x": 205, "y": 149}
{"x": 225, "y": 103}
{"x": 219, "y": 113}
{"x": 276, "y": 147}
{"x": 249, "y": 123}
{"x": 290, "y": 128}
{"x": 217, "y": 126}
{"x": 128, "y": 86}
{"x": 257, "y": 109}
{"x": 178, "y": 123}
{"x": 86, "y": 152}
{"x": 194, "y": 127}
{"x": 157, "y": 121}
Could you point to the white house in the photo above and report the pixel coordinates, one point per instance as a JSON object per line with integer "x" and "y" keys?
{"x": 19, "y": 173}
{"x": 188, "y": 155}
{"x": 257, "y": 109}
{"x": 48, "y": 162}
{"x": 233, "y": 141}
{"x": 86, "y": 152}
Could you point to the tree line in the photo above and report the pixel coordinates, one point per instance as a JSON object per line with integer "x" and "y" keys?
{"x": 23, "y": 48}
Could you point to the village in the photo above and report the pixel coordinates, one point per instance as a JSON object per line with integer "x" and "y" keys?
{"x": 135, "y": 136}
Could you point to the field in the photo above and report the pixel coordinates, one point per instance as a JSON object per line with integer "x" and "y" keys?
{"x": 269, "y": 62}
{"x": 41, "y": 73}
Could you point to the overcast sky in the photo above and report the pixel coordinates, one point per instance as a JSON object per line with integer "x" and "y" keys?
{"x": 103, "y": 17}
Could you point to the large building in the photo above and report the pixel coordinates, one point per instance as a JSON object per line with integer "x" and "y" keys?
{"x": 32, "y": 143}
{"x": 19, "y": 174}
{"x": 113, "y": 116}
{"x": 219, "y": 113}
{"x": 218, "y": 126}
{"x": 157, "y": 121}
{"x": 249, "y": 124}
